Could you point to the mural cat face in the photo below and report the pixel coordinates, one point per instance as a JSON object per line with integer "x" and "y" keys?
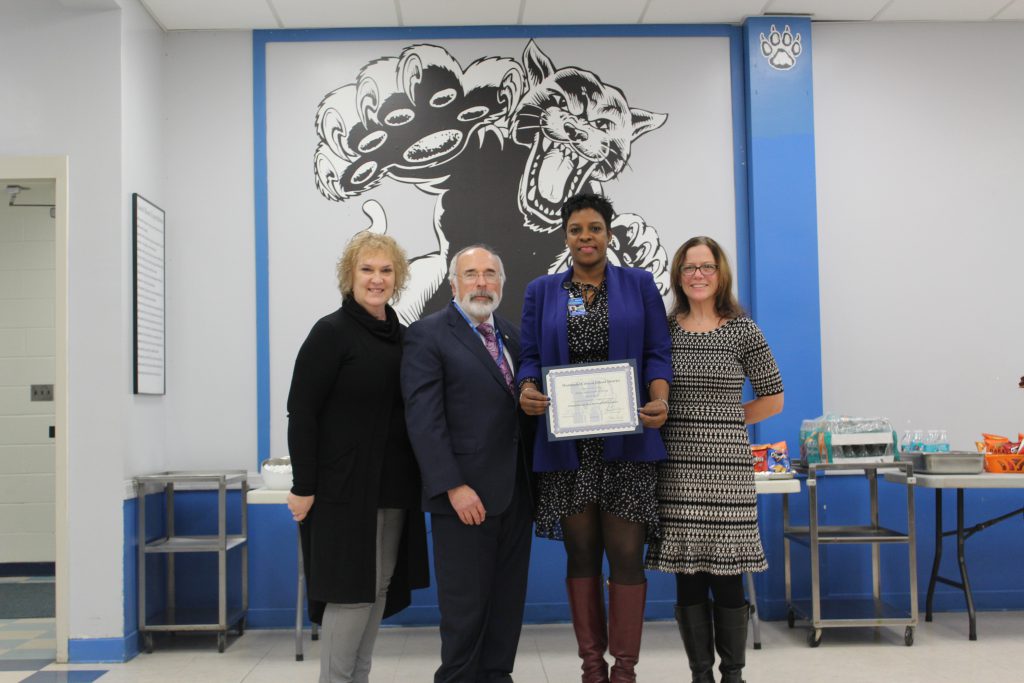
{"x": 578, "y": 129}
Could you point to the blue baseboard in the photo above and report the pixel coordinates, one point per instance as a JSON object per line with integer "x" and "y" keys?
{"x": 103, "y": 650}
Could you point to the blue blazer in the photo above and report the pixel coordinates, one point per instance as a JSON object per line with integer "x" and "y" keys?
{"x": 637, "y": 329}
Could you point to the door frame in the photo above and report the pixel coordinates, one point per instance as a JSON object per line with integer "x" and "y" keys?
{"x": 55, "y": 168}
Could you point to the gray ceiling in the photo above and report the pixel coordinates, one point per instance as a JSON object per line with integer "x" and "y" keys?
{"x": 293, "y": 14}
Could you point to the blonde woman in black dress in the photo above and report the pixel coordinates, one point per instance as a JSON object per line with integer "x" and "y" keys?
{"x": 706, "y": 499}
{"x": 355, "y": 482}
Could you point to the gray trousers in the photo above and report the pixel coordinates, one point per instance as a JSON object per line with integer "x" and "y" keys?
{"x": 349, "y": 630}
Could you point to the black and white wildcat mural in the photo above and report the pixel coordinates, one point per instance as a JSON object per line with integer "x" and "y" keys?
{"x": 500, "y": 144}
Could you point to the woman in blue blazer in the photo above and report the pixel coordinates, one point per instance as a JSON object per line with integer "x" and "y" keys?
{"x": 598, "y": 494}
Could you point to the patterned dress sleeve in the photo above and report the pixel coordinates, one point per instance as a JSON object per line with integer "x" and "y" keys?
{"x": 758, "y": 362}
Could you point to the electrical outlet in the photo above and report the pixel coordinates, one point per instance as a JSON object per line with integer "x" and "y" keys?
{"x": 42, "y": 392}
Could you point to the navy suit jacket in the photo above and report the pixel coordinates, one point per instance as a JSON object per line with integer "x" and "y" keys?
{"x": 637, "y": 329}
{"x": 464, "y": 422}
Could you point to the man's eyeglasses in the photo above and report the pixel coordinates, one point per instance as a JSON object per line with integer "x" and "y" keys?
{"x": 706, "y": 269}
{"x": 471, "y": 276}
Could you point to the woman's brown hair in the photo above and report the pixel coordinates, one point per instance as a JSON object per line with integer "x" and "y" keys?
{"x": 726, "y": 305}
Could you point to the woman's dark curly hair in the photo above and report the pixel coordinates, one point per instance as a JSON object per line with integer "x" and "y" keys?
{"x": 584, "y": 200}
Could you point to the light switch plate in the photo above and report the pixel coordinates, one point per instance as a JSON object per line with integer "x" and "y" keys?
{"x": 42, "y": 392}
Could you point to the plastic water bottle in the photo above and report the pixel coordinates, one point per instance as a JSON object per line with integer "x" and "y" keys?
{"x": 942, "y": 443}
{"x": 907, "y": 442}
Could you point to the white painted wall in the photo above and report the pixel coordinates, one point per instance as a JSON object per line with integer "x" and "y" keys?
{"x": 211, "y": 286}
{"x": 74, "y": 100}
{"x": 45, "y": 86}
{"x": 27, "y": 347}
{"x": 142, "y": 107}
{"x": 919, "y": 149}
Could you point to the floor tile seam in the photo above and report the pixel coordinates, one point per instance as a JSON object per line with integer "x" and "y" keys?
{"x": 540, "y": 659}
{"x": 255, "y": 666}
{"x": 401, "y": 656}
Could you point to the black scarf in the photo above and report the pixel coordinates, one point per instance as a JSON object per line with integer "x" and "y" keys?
{"x": 388, "y": 329}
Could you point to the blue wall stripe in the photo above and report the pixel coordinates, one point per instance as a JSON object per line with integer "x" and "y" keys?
{"x": 259, "y": 96}
{"x": 97, "y": 650}
{"x": 739, "y": 152}
{"x": 471, "y": 32}
{"x": 783, "y": 248}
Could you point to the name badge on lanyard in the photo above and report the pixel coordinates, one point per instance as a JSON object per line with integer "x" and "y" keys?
{"x": 576, "y": 307}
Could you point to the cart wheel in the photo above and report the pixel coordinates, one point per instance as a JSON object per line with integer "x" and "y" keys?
{"x": 221, "y": 641}
{"x": 908, "y": 636}
{"x": 241, "y": 627}
{"x": 814, "y": 637}
{"x": 757, "y": 646}
{"x": 147, "y": 640}
{"x": 298, "y": 658}
{"x": 791, "y": 618}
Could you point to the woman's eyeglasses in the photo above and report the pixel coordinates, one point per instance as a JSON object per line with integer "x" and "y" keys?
{"x": 706, "y": 269}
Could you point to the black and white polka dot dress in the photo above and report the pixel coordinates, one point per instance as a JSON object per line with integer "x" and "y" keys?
{"x": 624, "y": 489}
{"x": 706, "y": 498}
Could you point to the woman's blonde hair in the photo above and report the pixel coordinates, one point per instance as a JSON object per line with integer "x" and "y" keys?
{"x": 371, "y": 242}
{"x": 726, "y": 305}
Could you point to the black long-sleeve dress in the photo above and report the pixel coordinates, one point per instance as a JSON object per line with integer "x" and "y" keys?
{"x": 349, "y": 448}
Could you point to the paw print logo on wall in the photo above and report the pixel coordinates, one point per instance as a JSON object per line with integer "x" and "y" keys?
{"x": 781, "y": 49}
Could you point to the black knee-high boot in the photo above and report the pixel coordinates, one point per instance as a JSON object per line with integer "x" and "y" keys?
{"x": 695, "y": 629}
{"x": 731, "y": 641}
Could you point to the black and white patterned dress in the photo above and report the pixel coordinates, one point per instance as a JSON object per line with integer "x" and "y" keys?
{"x": 706, "y": 497}
{"x": 622, "y": 488}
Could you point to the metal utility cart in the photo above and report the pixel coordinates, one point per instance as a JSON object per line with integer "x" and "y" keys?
{"x": 856, "y": 612}
{"x": 224, "y": 616}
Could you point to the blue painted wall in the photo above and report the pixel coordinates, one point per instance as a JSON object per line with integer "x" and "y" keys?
{"x": 273, "y": 565}
{"x": 845, "y": 570}
{"x": 783, "y": 243}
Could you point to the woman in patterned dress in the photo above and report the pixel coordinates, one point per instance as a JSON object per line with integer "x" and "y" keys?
{"x": 598, "y": 494}
{"x": 706, "y": 498}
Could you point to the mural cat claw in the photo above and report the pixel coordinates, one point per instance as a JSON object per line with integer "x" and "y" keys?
{"x": 501, "y": 144}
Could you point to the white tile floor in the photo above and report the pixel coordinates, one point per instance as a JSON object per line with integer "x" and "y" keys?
{"x": 941, "y": 654}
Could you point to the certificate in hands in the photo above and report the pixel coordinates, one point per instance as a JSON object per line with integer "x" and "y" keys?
{"x": 592, "y": 399}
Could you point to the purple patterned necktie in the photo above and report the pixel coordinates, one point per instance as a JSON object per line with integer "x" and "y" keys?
{"x": 491, "y": 342}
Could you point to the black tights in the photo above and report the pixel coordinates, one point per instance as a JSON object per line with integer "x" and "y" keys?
{"x": 692, "y": 589}
{"x": 593, "y": 533}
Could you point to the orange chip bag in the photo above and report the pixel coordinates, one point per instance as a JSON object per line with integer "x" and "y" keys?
{"x": 760, "y": 452}
{"x": 995, "y": 443}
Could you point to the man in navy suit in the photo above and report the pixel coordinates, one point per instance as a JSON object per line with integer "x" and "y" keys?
{"x": 464, "y": 422}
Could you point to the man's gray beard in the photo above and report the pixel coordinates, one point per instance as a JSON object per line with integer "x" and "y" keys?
{"x": 478, "y": 309}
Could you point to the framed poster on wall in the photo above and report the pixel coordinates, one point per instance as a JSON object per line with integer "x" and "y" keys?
{"x": 148, "y": 223}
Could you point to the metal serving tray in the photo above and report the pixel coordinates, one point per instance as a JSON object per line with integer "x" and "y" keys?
{"x": 953, "y": 462}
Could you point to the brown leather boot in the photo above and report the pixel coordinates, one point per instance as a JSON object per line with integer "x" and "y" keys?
{"x": 586, "y": 603}
{"x": 625, "y": 626}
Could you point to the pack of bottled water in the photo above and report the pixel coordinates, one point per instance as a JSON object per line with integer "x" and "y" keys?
{"x": 924, "y": 441}
{"x": 834, "y": 438}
